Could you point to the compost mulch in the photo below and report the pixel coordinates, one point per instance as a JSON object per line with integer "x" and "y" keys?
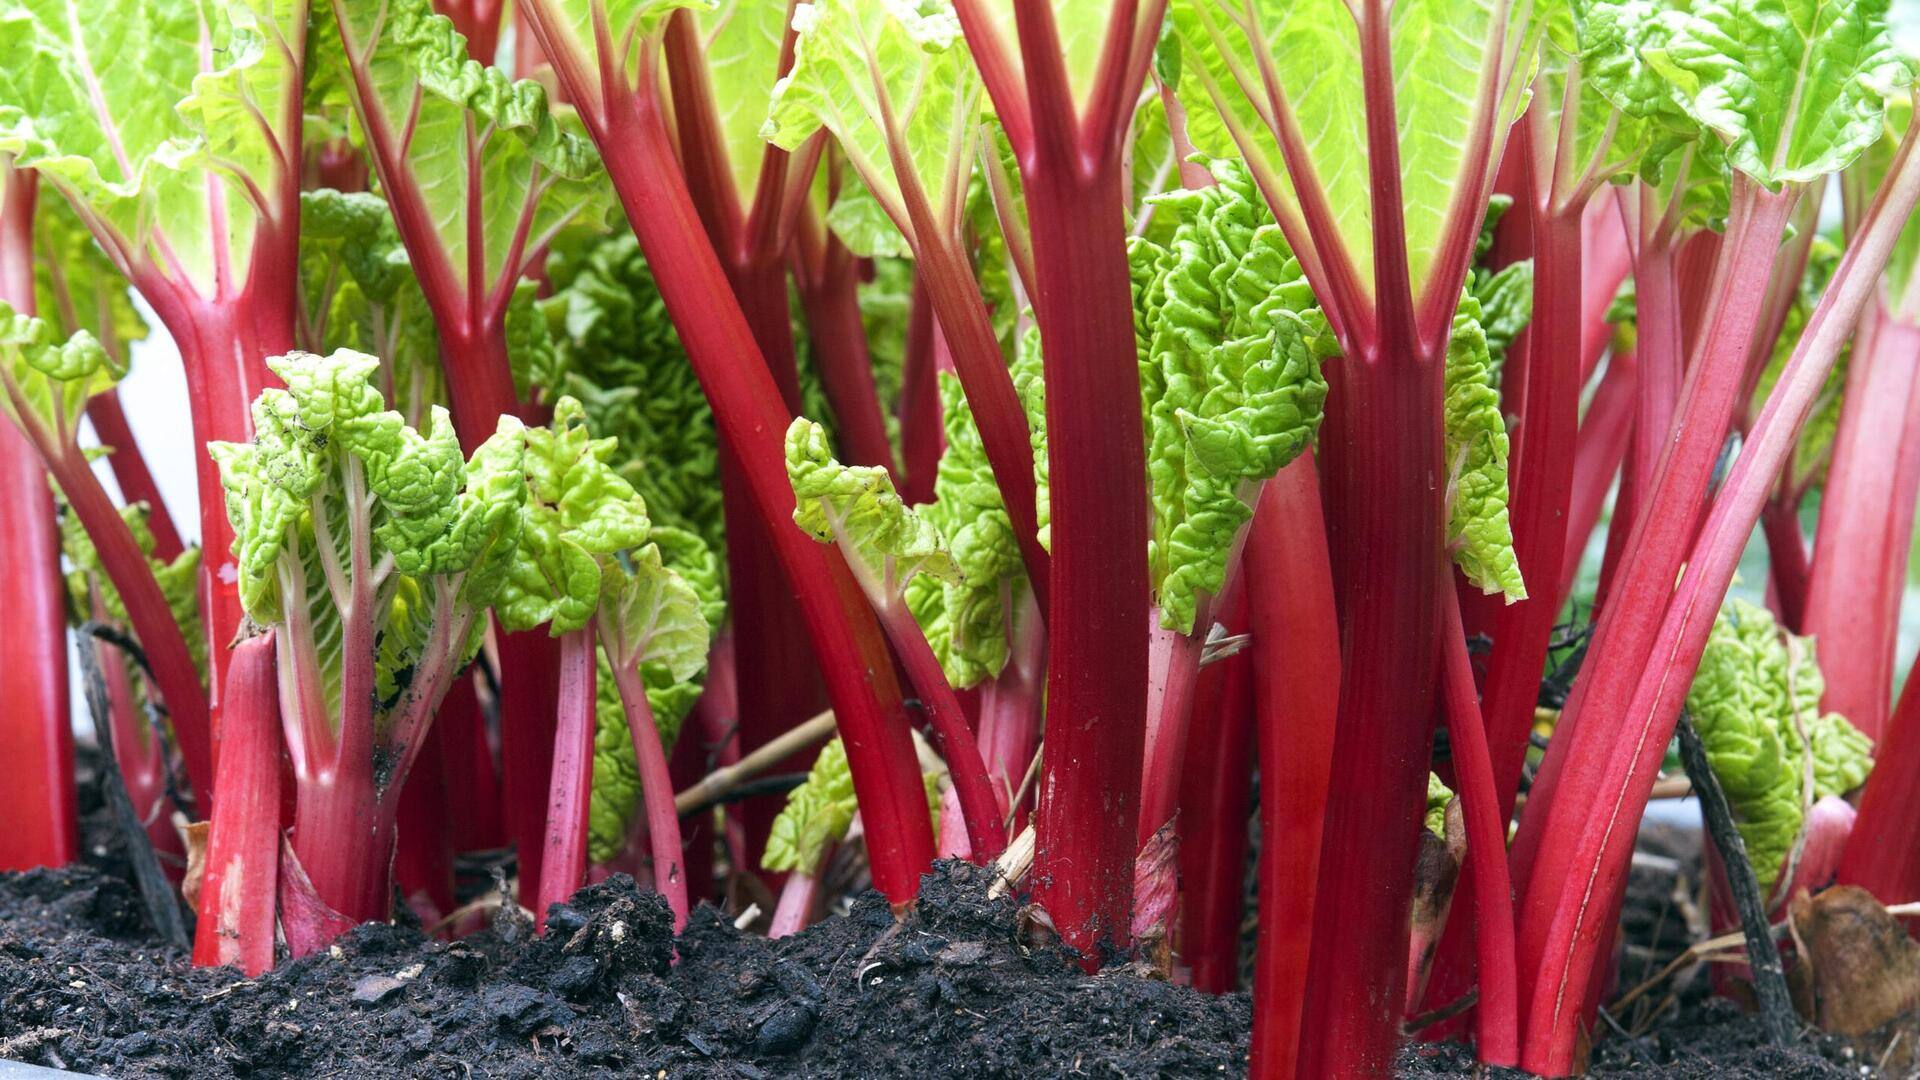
{"x": 961, "y": 986}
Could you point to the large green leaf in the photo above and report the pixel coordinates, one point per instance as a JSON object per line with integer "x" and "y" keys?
{"x": 741, "y": 43}
{"x": 574, "y": 26}
{"x": 1448, "y": 57}
{"x": 170, "y": 122}
{"x": 885, "y": 78}
{"x": 1796, "y": 89}
{"x": 488, "y": 166}
{"x": 48, "y": 380}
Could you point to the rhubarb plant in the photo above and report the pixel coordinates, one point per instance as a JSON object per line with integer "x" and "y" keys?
{"x": 174, "y": 132}
{"x": 372, "y": 549}
{"x": 887, "y": 544}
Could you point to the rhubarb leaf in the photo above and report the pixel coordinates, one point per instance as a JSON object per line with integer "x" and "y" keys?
{"x": 817, "y": 815}
{"x": 856, "y": 507}
{"x": 1795, "y": 89}
{"x": 481, "y": 172}
{"x": 1231, "y": 344}
{"x": 578, "y": 511}
{"x": 1438, "y": 796}
{"x": 337, "y": 497}
{"x": 1478, "y": 533}
{"x": 571, "y": 29}
{"x": 883, "y": 77}
{"x": 168, "y": 123}
{"x": 965, "y": 618}
{"x": 1456, "y": 64}
{"x": 616, "y": 769}
{"x": 357, "y": 291}
{"x": 1757, "y": 691}
{"x": 740, "y": 40}
{"x": 624, "y": 362}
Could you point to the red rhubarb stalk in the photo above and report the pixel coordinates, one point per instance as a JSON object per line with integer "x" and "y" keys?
{"x": 243, "y": 847}
{"x": 1656, "y": 547}
{"x": 828, "y": 278}
{"x": 1497, "y": 1013}
{"x": 1216, "y": 790}
{"x": 624, "y": 115}
{"x": 1601, "y": 450}
{"x": 36, "y": 734}
{"x": 1852, "y": 608}
{"x": 922, "y": 437}
{"x": 563, "y": 867}
{"x": 1580, "y": 872}
{"x": 1070, "y": 158}
{"x": 1296, "y": 668}
{"x": 656, "y": 792}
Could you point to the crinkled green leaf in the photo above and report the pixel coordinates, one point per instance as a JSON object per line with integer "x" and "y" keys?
{"x": 1231, "y": 346}
{"x": 651, "y": 615}
{"x": 154, "y": 113}
{"x": 1756, "y": 691}
{"x": 330, "y": 462}
{"x": 1505, "y": 297}
{"x": 1796, "y": 89}
{"x": 1438, "y": 796}
{"x": 1447, "y": 55}
{"x": 623, "y": 360}
{"x": 856, "y": 507}
{"x": 862, "y": 224}
{"x": 817, "y": 815}
{"x": 578, "y": 510}
{"x": 859, "y": 63}
{"x": 1477, "y": 530}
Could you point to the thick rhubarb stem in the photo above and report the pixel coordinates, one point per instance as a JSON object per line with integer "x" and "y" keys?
{"x": 1543, "y": 482}
{"x": 1172, "y": 689}
{"x": 423, "y": 834}
{"x": 473, "y": 783}
{"x": 1883, "y": 853}
{"x": 1296, "y": 691}
{"x": 1847, "y": 611}
{"x": 1498, "y": 1012}
{"x": 1083, "y": 865}
{"x": 1216, "y": 790}
{"x": 1657, "y": 545}
{"x": 631, "y": 133}
{"x": 656, "y": 793}
{"x": 36, "y": 735}
{"x": 238, "y": 890}
{"x": 563, "y": 866}
{"x": 1580, "y": 873}
{"x": 829, "y": 292}
{"x": 131, "y": 473}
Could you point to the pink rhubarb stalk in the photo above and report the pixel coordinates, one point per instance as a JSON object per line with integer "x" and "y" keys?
{"x": 1296, "y": 667}
{"x": 656, "y": 792}
{"x": 36, "y": 735}
{"x": 563, "y": 867}
{"x": 243, "y": 847}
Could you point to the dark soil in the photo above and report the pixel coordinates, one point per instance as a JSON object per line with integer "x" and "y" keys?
{"x": 953, "y": 990}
